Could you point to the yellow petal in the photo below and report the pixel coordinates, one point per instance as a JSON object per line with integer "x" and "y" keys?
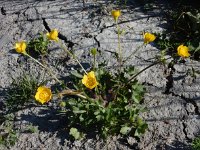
{"x": 17, "y": 45}
{"x": 91, "y": 74}
{"x": 37, "y": 96}
{"x": 41, "y": 88}
{"x": 48, "y": 35}
{"x": 84, "y": 80}
{"x": 23, "y": 47}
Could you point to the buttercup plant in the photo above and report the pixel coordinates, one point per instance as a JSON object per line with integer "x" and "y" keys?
{"x": 20, "y": 47}
{"x": 100, "y": 103}
{"x": 53, "y": 36}
{"x": 38, "y": 46}
{"x": 116, "y": 14}
{"x": 109, "y": 103}
{"x": 108, "y": 99}
{"x": 148, "y": 38}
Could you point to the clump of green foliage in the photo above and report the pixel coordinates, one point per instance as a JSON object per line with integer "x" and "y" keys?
{"x": 112, "y": 108}
{"x": 8, "y": 134}
{"x": 32, "y": 129}
{"x": 38, "y": 45}
{"x": 21, "y": 91}
{"x": 108, "y": 102}
{"x": 184, "y": 28}
{"x": 196, "y": 143}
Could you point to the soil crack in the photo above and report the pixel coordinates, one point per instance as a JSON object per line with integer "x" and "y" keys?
{"x": 170, "y": 80}
{"x": 169, "y": 85}
{"x": 97, "y": 41}
{"x": 46, "y": 26}
{"x": 184, "y": 131}
{"x": 191, "y": 101}
{"x": 3, "y": 11}
{"x": 60, "y": 36}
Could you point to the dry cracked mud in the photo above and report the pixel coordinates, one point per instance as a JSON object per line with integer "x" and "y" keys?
{"x": 172, "y": 98}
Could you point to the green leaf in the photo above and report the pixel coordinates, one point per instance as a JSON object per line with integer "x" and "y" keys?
{"x": 81, "y": 118}
{"x": 196, "y": 143}
{"x": 136, "y": 98}
{"x": 99, "y": 117}
{"x": 125, "y": 130}
{"x": 96, "y": 112}
{"x": 76, "y": 74}
{"x": 71, "y": 102}
{"x": 140, "y": 122}
{"x": 75, "y": 133}
{"x": 121, "y": 32}
{"x": 79, "y": 111}
{"x": 141, "y": 130}
{"x": 130, "y": 70}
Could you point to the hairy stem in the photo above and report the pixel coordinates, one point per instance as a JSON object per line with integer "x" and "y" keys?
{"x": 133, "y": 53}
{"x": 119, "y": 46}
{"x": 73, "y": 56}
{"x": 48, "y": 69}
{"x": 94, "y": 65}
{"x": 134, "y": 76}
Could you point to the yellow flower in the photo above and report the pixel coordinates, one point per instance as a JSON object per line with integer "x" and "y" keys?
{"x": 116, "y": 14}
{"x": 53, "y": 35}
{"x": 183, "y": 51}
{"x": 89, "y": 80}
{"x": 43, "y": 94}
{"x": 148, "y": 37}
{"x": 20, "y": 47}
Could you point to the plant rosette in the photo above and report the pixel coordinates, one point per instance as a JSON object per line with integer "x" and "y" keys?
{"x": 110, "y": 107}
{"x": 109, "y": 103}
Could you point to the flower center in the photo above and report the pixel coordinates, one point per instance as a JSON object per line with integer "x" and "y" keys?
{"x": 91, "y": 81}
{"x": 43, "y": 95}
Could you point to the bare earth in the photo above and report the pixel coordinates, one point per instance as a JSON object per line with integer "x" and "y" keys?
{"x": 172, "y": 99}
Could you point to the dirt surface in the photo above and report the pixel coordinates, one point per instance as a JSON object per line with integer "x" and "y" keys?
{"x": 172, "y": 98}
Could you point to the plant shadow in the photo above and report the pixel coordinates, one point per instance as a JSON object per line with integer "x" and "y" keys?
{"x": 48, "y": 120}
{"x": 176, "y": 145}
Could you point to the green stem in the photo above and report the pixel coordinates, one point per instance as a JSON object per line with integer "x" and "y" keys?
{"x": 94, "y": 65}
{"x": 48, "y": 69}
{"x": 134, "y": 76}
{"x": 133, "y": 53}
{"x": 73, "y": 56}
{"x": 125, "y": 84}
{"x": 119, "y": 46}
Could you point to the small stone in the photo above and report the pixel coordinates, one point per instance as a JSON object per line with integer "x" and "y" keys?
{"x": 131, "y": 140}
{"x": 190, "y": 107}
{"x": 77, "y": 143}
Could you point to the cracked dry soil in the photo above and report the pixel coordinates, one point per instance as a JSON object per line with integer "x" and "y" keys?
{"x": 172, "y": 99}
